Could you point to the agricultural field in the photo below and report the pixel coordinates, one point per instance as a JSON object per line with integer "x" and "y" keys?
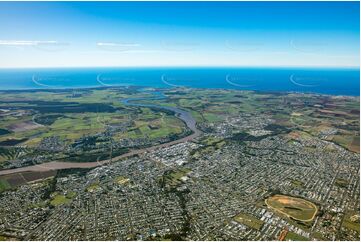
{"x": 295, "y": 208}
{"x": 49, "y": 114}
{"x": 12, "y": 181}
{"x": 67, "y": 123}
{"x": 331, "y": 118}
{"x": 157, "y": 127}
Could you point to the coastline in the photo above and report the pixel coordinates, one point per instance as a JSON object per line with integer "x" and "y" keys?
{"x": 326, "y": 81}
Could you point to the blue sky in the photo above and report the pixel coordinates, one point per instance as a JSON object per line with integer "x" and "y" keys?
{"x": 68, "y": 34}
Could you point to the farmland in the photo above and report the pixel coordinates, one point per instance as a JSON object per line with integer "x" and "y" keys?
{"x": 91, "y": 125}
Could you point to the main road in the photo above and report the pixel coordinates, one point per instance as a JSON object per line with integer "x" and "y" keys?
{"x": 185, "y": 116}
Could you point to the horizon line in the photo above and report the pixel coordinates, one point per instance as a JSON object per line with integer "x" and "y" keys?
{"x": 181, "y": 66}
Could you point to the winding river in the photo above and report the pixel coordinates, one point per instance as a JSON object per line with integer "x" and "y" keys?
{"x": 185, "y": 116}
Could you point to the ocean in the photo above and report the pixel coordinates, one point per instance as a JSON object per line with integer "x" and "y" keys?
{"x": 324, "y": 81}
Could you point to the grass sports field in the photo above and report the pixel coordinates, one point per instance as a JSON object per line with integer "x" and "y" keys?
{"x": 296, "y": 208}
{"x": 249, "y": 220}
{"x": 295, "y": 237}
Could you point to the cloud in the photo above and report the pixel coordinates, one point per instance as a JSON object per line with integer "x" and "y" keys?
{"x": 47, "y": 45}
{"x": 30, "y": 43}
{"x": 124, "y": 47}
{"x": 118, "y": 44}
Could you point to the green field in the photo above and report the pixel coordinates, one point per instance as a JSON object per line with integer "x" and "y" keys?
{"x": 249, "y": 221}
{"x": 173, "y": 177}
{"x": 340, "y": 182}
{"x": 295, "y": 237}
{"x": 156, "y": 128}
{"x": 59, "y": 200}
{"x": 5, "y": 238}
{"x": 4, "y": 185}
{"x": 93, "y": 187}
{"x": 56, "y": 116}
{"x": 70, "y": 194}
{"x": 350, "y": 223}
{"x": 297, "y": 183}
{"x": 121, "y": 180}
{"x": 212, "y": 117}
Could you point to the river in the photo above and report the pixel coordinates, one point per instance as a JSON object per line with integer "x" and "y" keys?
{"x": 185, "y": 116}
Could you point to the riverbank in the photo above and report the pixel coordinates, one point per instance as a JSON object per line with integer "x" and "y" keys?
{"x": 185, "y": 116}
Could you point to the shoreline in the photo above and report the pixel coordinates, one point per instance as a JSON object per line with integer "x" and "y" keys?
{"x": 58, "y": 89}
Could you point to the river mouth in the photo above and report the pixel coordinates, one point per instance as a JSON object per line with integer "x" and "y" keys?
{"x": 183, "y": 115}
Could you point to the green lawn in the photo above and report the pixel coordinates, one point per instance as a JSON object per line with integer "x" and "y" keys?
{"x": 249, "y": 221}
{"x": 295, "y": 237}
{"x": 4, "y": 185}
{"x": 353, "y": 225}
{"x": 70, "y": 194}
{"x": 174, "y": 177}
{"x": 4, "y": 238}
{"x": 297, "y": 183}
{"x": 93, "y": 187}
{"x": 59, "y": 200}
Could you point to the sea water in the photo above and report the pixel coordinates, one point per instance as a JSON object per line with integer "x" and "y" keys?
{"x": 335, "y": 81}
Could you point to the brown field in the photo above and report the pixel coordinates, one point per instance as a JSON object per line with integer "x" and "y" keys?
{"x": 24, "y": 126}
{"x": 333, "y": 112}
{"x": 21, "y": 178}
{"x": 349, "y": 142}
{"x": 355, "y": 145}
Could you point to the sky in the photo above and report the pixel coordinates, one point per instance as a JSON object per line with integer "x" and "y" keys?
{"x": 262, "y": 34}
